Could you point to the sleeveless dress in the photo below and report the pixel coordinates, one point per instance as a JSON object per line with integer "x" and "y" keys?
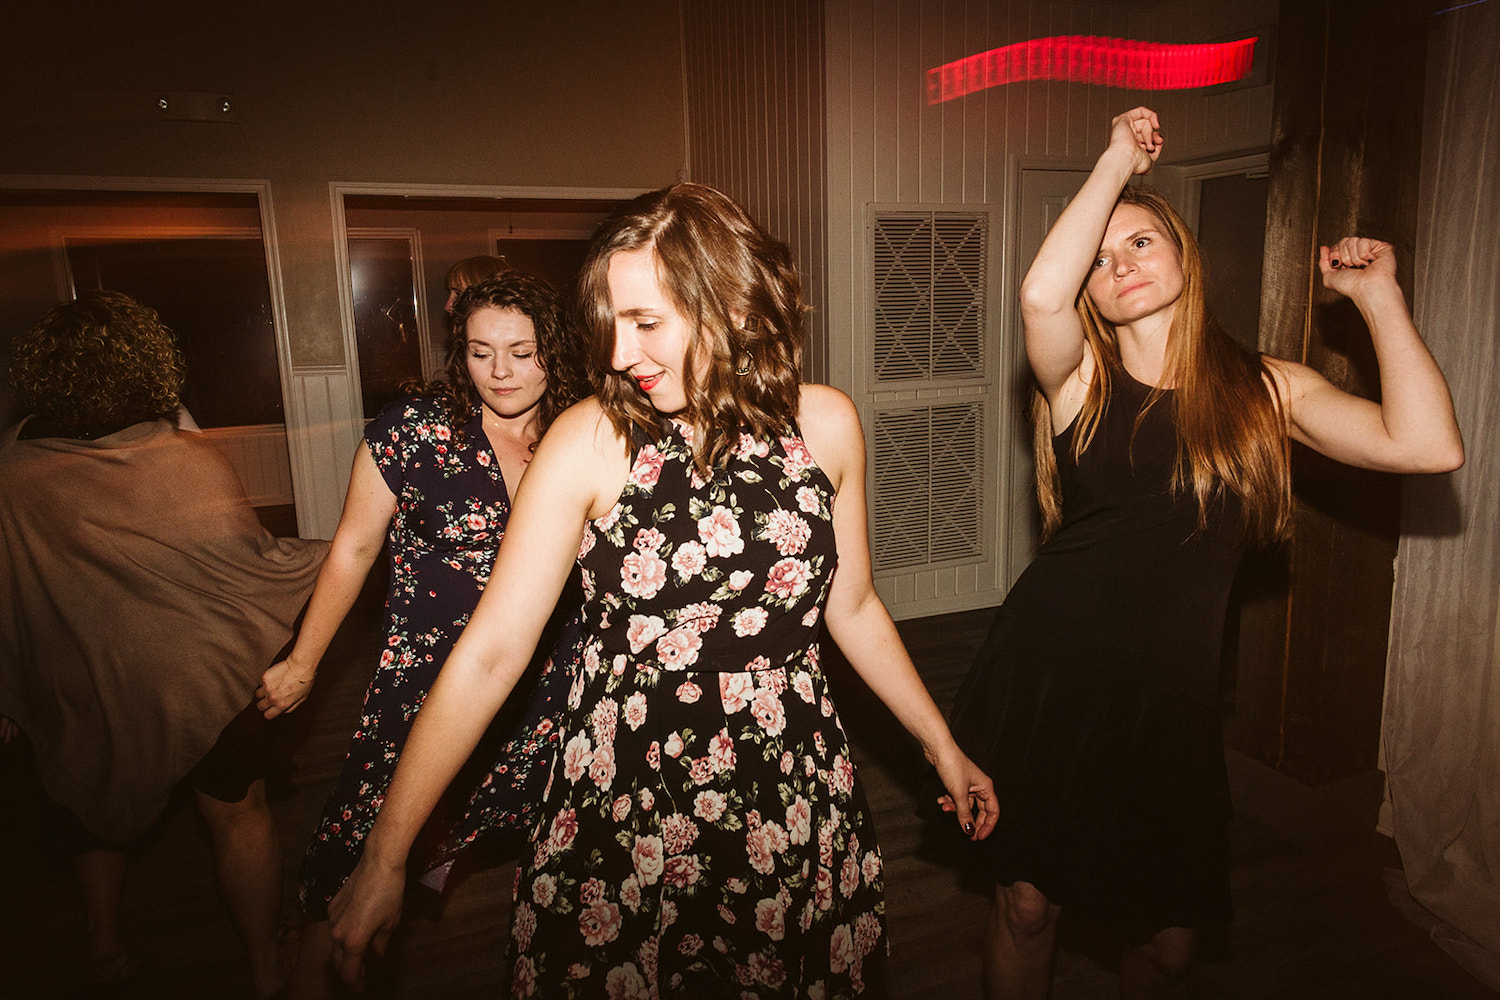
{"x": 451, "y": 511}
{"x": 1094, "y": 703}
{"x": 703, "y": 834}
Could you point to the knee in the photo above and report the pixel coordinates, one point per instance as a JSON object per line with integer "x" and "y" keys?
{"x": 1170, "y": 956}
{"x": 1025, "y": 910}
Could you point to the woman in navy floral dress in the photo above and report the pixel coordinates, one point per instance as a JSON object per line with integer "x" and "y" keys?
{"x": 433, "y": 477}
{"x": 703, "y": 833}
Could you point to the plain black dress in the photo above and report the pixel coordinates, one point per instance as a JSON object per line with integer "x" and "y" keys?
{"x": 1094, "y": 703}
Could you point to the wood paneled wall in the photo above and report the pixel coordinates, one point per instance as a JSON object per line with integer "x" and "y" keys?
{"x": 755, "y": 113}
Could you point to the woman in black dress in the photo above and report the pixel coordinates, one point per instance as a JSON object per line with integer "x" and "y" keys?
{"x": 1161, "y": 448}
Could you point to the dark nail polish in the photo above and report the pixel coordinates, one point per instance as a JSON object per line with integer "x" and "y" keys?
{"x": 969, "y": 829}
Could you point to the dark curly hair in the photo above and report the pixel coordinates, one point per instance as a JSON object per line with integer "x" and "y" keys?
{"x": 738, "y": 290}
{"x": 558, "y": 347}
{"x": 96, "y": 365}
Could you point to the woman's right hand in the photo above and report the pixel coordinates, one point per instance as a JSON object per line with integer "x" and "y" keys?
{"x": 363, "y": 916}
{"x": 282, "y": 688}
{"x": 1137, "y": 134}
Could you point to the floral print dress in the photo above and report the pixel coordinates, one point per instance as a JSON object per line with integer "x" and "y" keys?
{"x": 703, "y": 833}
{"x": 451, "y": 511}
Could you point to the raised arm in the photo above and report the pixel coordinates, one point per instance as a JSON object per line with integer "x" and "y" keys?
{"x": 567, "y": 483}
{"x": 1413, "y": 427}
{"x": 368, "y": 509}
{"x": 857, "y": 620}
{"x": 1054, "y": 335}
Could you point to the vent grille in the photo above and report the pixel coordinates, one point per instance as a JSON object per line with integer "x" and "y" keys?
{"x": 930, "y": 277}
{"x": 929, "y": 475}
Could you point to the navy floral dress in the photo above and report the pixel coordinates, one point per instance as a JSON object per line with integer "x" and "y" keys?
{"x": 703, "y": 834}
{"x": 451, "y": 511}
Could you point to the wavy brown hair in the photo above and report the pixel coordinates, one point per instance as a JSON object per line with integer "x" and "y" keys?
{"x": 558, "y": 348}
{"x": 1231, "y": 431}
{"x": 96, "y": 365}
{"x": 738, "y": 291}
{"x": 473, "y": 270}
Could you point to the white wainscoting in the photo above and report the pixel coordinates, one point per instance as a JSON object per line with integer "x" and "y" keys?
{"x": 258, "y": 453}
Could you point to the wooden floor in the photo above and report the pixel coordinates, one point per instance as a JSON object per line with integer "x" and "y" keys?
{"x": 1310, "y": 923}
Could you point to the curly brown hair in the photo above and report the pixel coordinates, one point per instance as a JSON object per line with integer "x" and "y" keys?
{"x": 738, "y": 289}
{"x": 96, "y": 365}
{"x": 558, "y": 347}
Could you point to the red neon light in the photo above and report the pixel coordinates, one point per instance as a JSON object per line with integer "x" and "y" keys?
{"x": 1108, "y": 62}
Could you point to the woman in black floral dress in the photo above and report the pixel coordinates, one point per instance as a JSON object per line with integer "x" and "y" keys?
{"x": 434, "y": 478}
{"x": 703, "y": 833}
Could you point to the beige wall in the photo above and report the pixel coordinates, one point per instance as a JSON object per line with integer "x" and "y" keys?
{"x": 513, "y": 96}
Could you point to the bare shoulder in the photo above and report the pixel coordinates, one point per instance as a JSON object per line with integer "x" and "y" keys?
{"x": 582, "y": 451}
{"x": 829, "y": 423}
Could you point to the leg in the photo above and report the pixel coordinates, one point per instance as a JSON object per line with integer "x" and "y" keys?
{"x": 101, "y": 882}
{"x": 1160, "y": 969}
{"x": 247, "y": 863}
{"x": 312, "y": 977}
{"x": 1020, "y": 940}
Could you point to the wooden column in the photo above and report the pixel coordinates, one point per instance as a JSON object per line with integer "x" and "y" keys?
{"x": 1346, "y": 138}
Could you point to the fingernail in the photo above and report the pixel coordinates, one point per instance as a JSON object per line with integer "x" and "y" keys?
{"x": 969, "y": 829}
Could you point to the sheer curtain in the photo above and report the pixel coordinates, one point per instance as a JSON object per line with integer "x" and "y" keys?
{"x": 1441, "y": 733}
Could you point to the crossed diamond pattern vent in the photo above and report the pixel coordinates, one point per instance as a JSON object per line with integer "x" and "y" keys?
{"x": 929, "y": 464}
{"x": 930, "y": 280}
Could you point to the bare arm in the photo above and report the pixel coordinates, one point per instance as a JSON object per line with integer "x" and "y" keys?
{"x": 1054, "y": 335}
{"x": 1413, "y": 427}
{"x": 569, "y": 481}
{"x": 858, "y": 621}
{"x": 368, "y": 509}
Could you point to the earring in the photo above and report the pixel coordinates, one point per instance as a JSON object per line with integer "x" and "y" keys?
{"x": 744, "y": 366}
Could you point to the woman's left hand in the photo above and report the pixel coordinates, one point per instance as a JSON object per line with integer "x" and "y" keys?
{"x": 968, "y": 785}
{"x": 1355, "y": 263}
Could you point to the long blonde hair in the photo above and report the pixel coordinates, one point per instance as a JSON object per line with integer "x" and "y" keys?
{"x": 1231, "y": 431}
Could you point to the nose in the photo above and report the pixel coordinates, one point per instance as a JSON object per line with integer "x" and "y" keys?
{"x": 627, "y": 349}
{"x": 1124, "y": 263}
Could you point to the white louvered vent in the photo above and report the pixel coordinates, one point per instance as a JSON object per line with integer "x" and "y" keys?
{"x": 929, "y": 485}
{"x": 930, "y": 277}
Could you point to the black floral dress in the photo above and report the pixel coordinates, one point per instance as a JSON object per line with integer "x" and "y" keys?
{"x": 451, "y": 511}
{"x": 703, "y": 834}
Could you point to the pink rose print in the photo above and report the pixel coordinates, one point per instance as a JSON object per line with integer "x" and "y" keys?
{"x": 768, "y": 712}
{"x": 653, "y": 756}
{"x": 648, "y": 464}
{"x": 802, "y": 683}
{"x": 788, "y": 532}
{"x": 647, "y": 799}
{"x": 841, "y": 949}
{"x": 720, "y": 533}
{"x": 749, "y": 621}
{"x": 807, "y": 500}
{"x": 674, "y": 745}
{"x": 643, "y": 630}
{"x": 770, "y": 919}
{"x": 475, "y": 522}
{"x": 788, "y": 579}
{"x": 625, "y": 982}
{"x": 577, "y": 756}
{"x": 763, "y": 845}
{"x": 798, "y": 459}
{"x": 600, "y": 923}
{"x": 870, "y": 867}
{"x": 678, "y": 833}
{"x": 702, "y": 770}
{"x": 635, "y": 710}
{"x": 709, "y": 806}
{"x": 688, "y": 693}
{"x": 602, "y": 767}
{"x": 610, "y": 519}
{"x": 586, "y": 544}
{"x": 765, "y": 971}
{"x": 642, "y": 574}
{"x": 848, "y": 876}
{"x": 564, "y": 829}
{"x": 866, "y": 933}
{"x": 799, "y": 821}
{"x": 690, "y": 944}
{"x": 823, "y": 889}
{"x": 523, "y": 977}
{"x": 787, "y": 762}
{"x": 678, "y": 649}
{"x": 841, "y": 775}
{"x": 740, "y": 579}
{"x": 689, "y": 560}
{"x": 721, "y": 750}
{"x": 682, "y": 871}
{"x": 648, "y": 859}
{"x": 773, "y": 681}
{"x": 544, "y": 890}
{"x": 630, "y": 893}
{"x": 735, "y": 691}
{"x": 700, "y": 617}
{"x": 811, "y": 617}
{"x": 648, "y": 540}
{"x": 605, "y": 720}
{"x": 523, "y": 924}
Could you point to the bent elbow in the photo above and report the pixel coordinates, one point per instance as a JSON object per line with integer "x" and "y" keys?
{"x": 1041, "y": 299}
